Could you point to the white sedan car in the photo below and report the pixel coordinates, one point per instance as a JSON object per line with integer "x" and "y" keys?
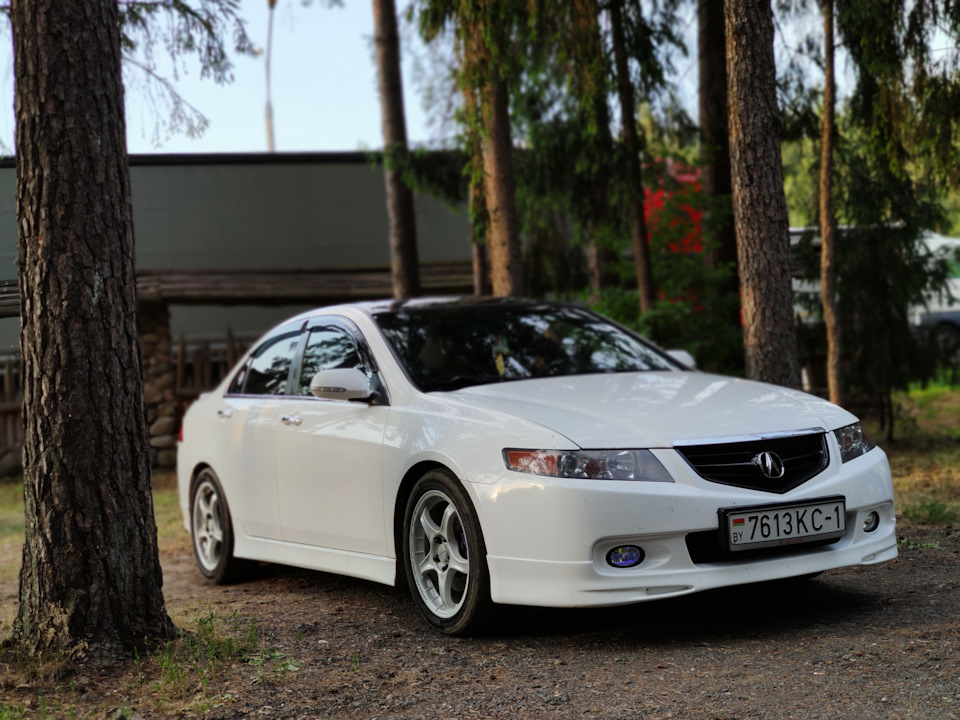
{"x": 519, "y": 452}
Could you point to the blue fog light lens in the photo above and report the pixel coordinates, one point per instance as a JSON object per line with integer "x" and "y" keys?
{"x": 625, "y": 556}
{"x": 872, "y": 522}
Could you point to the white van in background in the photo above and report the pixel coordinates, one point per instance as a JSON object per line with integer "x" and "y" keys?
{"x": 941, "y": 310}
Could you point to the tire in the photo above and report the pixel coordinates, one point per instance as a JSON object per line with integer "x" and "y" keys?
{"x": 445, "y": 556}
{"x": 212, "y": 531}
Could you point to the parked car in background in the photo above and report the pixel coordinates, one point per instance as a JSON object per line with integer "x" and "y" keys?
{"x": 518, "y": 452}
{"x": 942, "y": 310}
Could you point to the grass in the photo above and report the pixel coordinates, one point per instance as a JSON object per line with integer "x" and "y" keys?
{"x": 925, "y": 458}
{"x": 185, "y": 676}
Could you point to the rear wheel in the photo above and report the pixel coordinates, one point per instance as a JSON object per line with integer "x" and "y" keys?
{"x": 212, "y": 531}
{"x": 445, "y": 556}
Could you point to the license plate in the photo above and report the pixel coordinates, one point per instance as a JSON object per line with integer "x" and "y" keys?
{"x": 749, "y": 528}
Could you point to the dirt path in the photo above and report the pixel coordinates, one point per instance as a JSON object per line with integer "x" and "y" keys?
{"x": 879, "y": 642}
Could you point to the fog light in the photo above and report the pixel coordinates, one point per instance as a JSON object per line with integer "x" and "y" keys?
{"x": 625, "y": 556}
{"x": 871, "y": 522}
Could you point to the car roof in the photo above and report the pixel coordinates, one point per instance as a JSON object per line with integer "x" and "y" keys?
{"x": 376, "y": 307}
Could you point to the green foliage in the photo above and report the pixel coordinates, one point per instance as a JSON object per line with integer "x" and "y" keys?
{"x": 907, "y": 94}
{"x": 12, "y": 712}
{"x": 571, "y": 177}
{"x": 190, "y": 663}
{"x": 693, "y": 312}
{"x": 905, "y": 543}
{"x": 276, "y": 662}
{"x": 883, "y": 267}
{"x": 178, "y": 29}
{"x": 932, "y": 512}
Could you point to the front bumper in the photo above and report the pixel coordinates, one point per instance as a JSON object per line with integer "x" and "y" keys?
{"x": 547, "y": 539}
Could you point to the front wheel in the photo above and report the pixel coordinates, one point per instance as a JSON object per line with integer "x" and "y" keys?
{"x": 445, "y": 556}
{"x": 212, "y": 531}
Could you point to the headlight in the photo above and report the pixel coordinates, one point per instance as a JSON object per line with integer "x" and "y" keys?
{"x": 852, "y": 442}
{"x": 589, "y": 464}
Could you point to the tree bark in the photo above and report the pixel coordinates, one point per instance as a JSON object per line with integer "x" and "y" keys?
{"x": 715, "y": 137}
{"x": 476, "y": 200}
{"x": 631, "y": 141}
{"x": 404, "y": 261}
{"x": 591, "y": 86}
{"x": 828, "y": 219}
{"x": 759, "y": 205}
{"x": 503, "y": 229}
{"x": 91, "y": 572}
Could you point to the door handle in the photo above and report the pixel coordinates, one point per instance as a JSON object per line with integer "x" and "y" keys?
{"x": 225, "y": 414}
{"x": 294, "y": 420}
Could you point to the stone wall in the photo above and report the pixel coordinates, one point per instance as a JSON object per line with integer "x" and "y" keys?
{"x": 158, "y": 382}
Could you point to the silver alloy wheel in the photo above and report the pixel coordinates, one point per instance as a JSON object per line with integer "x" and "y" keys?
{"x": 208, "y": 525}
{"x": 438, "y": 554}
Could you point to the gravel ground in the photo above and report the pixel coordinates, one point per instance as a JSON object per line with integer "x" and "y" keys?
{"x": 878, "y": 642}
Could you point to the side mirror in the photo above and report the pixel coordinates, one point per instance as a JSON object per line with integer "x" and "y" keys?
{"x": 340, "y": 384}
{"x": 683, "y": 357}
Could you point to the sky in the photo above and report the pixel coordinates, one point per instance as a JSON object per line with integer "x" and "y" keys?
{"x": 323, "y": 87}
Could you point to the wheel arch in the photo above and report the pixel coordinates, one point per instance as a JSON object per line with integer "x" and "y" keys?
{"x": 400, "y": 505}
{"x": 194, "y": 474}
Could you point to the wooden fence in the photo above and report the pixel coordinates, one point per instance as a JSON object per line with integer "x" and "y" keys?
{"x": 11, "y": 401}
{"x": 202, "y": 364}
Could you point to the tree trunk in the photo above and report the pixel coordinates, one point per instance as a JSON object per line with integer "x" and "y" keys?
{"x": 631, "y": 141}
{"x": 828, "y": 220}
{"x": 404, "y": 262}
{"x": 503, "y": 229}
{"x": 759, "y": 205}
{"x": 476, "y": 200}
{"x": 590, "y": 86}
{"x": 91, "y": 572}
{"x": 715, "y": 138}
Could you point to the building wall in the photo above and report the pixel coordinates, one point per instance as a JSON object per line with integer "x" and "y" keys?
{"x": 227, "y": 212}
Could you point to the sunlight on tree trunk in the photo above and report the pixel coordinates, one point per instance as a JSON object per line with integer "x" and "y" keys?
{"x": 503, "y": 230}
{"x": 404, "y": 260}
{"x": 477, "y": 203}
{"x": 759, "y": 205}
{"x": 638, "y": 225}
{"x": 591, "y": 88}
{"x": 828, "y": 220}
{"x": 90, "y": 577}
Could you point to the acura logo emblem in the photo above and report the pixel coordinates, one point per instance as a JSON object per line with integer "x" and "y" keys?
{"x": 770, "y": 465}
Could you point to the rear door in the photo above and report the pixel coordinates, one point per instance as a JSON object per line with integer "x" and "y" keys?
{"x": 249, "y": 415}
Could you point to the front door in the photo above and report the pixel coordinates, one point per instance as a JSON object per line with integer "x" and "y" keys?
{"x": 329, "y": 455}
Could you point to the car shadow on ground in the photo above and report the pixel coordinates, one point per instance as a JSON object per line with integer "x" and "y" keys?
{"x": 746, "y": 611}
{"x": 759, "y": 609}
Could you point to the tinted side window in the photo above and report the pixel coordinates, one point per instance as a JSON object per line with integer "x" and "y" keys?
{"x": 236, "y": 385}
{"x": 327, "y": 348}
{"x": 269, "y": 366}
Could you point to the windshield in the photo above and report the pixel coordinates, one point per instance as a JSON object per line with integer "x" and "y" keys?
{"x": 453, "y": 346}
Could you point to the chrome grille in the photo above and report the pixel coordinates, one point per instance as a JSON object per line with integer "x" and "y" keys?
{"x": 732, "y": 463}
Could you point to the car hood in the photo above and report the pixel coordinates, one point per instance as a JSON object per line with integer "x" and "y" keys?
{"x": 655, "y": 409}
